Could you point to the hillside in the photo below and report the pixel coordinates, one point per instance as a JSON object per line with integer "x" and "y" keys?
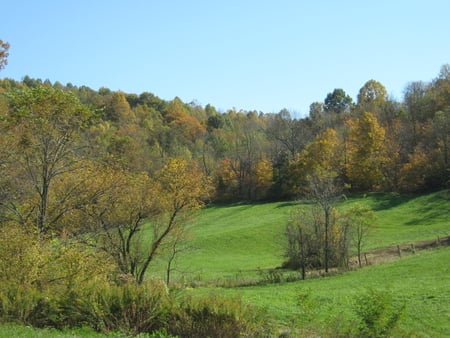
{"x": 242, "y": 240}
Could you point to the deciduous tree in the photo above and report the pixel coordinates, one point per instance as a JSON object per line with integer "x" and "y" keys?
{"x": 134, "y": 215}
{"x": 43, "y": 127}
{"x": 372, "y": 97}
{"x": 360, "y": 220}
{"x": 366, "y": 152}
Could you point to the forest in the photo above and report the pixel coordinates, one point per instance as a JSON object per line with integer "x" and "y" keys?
{"x": 373, "y": 144}
{"x": 95, "y": 184}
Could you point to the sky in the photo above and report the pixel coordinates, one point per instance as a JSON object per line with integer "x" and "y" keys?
{"x": 234, "y": 54}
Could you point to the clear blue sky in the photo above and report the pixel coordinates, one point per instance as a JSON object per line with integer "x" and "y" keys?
{"x": 252, "y": 55}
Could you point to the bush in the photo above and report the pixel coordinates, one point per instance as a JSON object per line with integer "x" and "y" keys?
{"x": 129, "y": 308}
{"x": 214, "y": 316}
{"x": 377, "y": 313}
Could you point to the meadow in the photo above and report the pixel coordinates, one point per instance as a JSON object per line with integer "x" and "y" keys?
{"x": 239, "y": 241}
{"x": 243, "y": 244}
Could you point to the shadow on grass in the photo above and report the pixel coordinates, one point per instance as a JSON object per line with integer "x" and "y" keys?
{"x": 434, "y": 207}
{"x": 383, "y": 201}
{"x": 287, "y": 204}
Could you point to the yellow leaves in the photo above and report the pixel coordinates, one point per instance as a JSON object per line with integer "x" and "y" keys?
{"x": 21, "y": 255}
{"x": 264, "y": 173}
{"x": 366, "y": 152}
{"x": 73, "y": 264}
{"x": 323, "y": 155}
{"x": 183, "y": 184}
{"x": 178, "y": 116}
{"x": 413, "y": 174}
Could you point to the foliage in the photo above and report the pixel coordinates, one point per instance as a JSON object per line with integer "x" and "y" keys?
{"x": 42, "y": 128}
{"x": 216, "y": 316}
{"x": 366, "y": 153}
{"x": 140, "y": 132}
{"x": 337, "y": 102}
{"x": 128, "y": 308}
{"x": 378, "y": 313}
{"x": 359, "y": 220}
{"x": 322, "y": 156}
{"x": 21, "y": 256}
{"x": 4, "y": 47}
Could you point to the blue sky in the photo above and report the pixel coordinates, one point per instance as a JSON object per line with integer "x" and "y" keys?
{"x": 251, "y": 55}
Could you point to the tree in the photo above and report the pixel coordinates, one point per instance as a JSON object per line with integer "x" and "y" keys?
{"x": 360, "y": 220}
{"x": 4, "y": 47}
{"x": 322, "y": 155}
{"x": 128, "y": 207}
{"x": 439, "y": 90}
{"x": 43, "y": 127}
{"x": 418, "y": 104}
{"x": 264, "y": 178}
{"x": 323, "y": 191}
{"x": 372, "y": 97}
{"x": 366, "y": 152}
{"x": 184, "y": 189}
{"x": 302, "y": 244}
{"x": 338, "y": 102}
{"x": 441, "y": 126}
{"x": 315, "y": 238}
{"x": 118, "y": 109}
{"x": 237, "y": 174}
{"x": 290, "y": 133}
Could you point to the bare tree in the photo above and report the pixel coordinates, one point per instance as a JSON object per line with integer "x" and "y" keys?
{"x": 360, "y": 221}
{"x": 323, "y": 190}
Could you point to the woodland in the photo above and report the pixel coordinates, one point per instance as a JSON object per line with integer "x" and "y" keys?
{"x": 85, "y": 173}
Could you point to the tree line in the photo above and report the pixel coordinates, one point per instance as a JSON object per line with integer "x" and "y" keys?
{"x": 375, "y": 143}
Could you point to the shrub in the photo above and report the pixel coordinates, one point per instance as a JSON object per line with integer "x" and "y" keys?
{"x": 215, "y": 316}
{"x": 128, "y": 308}
{"x": 377, "y": 313}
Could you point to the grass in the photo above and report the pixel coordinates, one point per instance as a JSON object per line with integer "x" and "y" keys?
{"x": 240, "y": 241}
{"x": 406, "y": 218}
{"x": 14, "y": 330}
{"x": 421, "y": 282}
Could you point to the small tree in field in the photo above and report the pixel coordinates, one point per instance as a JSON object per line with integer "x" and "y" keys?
{"x": 360, "y": 221}
{"x": 323, "y": 191}
{"x": 302, "y": 244}
{"x": 315, "y": 236}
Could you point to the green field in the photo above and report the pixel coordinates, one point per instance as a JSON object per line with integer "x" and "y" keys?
{"x": 238, "y": 241}
{"x": 421, "y": 282}
{"x": 232, "y": 244}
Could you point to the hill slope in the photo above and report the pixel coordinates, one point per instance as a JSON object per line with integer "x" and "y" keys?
{"x": 234, "y": 241}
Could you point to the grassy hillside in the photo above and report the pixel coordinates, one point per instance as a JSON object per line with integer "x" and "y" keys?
{"x": 238, "y": 241}
{"x": 242, "y": 242}
{"x": 420, "y": 282}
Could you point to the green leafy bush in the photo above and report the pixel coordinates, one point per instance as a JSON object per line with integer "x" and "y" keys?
{"x": 378, "y": 313}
